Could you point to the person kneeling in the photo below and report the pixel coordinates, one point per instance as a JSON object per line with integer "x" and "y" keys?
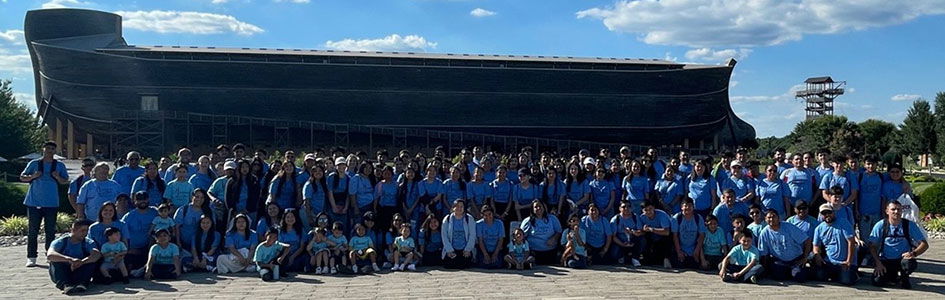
{"x": 742, "y": 262}
{"x": 164, "y": 258}
{"x": 269, "y": 255}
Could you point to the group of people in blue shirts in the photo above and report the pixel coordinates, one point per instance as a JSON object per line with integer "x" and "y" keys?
{"x": 337, "y": 212}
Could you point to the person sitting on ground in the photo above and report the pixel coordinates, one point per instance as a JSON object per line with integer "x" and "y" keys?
{"x": 742, "y": 264}
{"x": 164, "y": 258}
{"x": 519, "y": 256}
{"x": 575, "y": 249}
{"x": 72, "y": 259}
{"x": 270, "y": 255}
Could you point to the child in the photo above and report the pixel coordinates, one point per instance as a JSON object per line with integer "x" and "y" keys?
{"x": 519, "y": 256}
{"x": 575, "y": 252}
{"x": 758, "y": 221}
{"x": 114, "y": 253}
{"x": 404, "y": 247}
{"x": 431, "y": 242}
{"x": 163, "y": 258}
{"x": 742, "y": 262}
{"x": 715, "y": 244}
{"x": 390, "y": 236}
{"x": 163, "y": 220}
{"x": 738, "y": 226}
{"x": 339, "y": 247}
{"x": 269, "y": 255}
{"x": 318, "y": 251}
{"x": 362, "y": 248}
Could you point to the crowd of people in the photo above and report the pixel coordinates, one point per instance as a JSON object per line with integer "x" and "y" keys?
{"x": 340, "y": 212}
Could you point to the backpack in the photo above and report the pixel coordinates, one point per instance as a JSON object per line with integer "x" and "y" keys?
{"x": 679, "y": 219}
{"x": 40, "y": 168}
{"x": 62, "y": 249}
{"x": 905, "y": 233}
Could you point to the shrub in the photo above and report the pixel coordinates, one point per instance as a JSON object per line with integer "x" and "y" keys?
{"x": 935, "y": 225}
{"x": 64, "y": 221}
{"x": 15, "y": 225}
{"x": 11, "y": 199}
{"x": 933, "y": 199}
{"x": 921, "y": 178}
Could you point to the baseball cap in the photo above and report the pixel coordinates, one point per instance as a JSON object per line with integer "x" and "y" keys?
{"x": 310, "y": 156}
{"x": 341, "y": 160}
{"x": 735, "y": 163}
{"x": 825, "y": 207}
{"x": 590, "y": 160}
{"x": 230, "y": 165}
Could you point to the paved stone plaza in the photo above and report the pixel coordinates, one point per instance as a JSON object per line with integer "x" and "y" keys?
{"x": 18, "y": 282}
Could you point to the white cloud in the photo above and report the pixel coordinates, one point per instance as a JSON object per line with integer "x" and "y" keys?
{"x": 219, "y": 1}
{"x": 708, "y": 54}
{"x": 789, "y": 95}
{"x": 65, "y": 3}
{"x": 12, "y": 36}
{"x": 479, "y": 13}
{"x": 905, "y": 97}
{"x": 27, "y": 99}
{"x": 747, "y": 23}
{"x": 163, "y": 21}
{"x": 393, "y": 42}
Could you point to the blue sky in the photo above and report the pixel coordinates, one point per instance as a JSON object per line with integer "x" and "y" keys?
{"x": 889, "y": 52}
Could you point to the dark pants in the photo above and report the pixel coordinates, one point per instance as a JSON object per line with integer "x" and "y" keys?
{"x": 296, "y": 265}
{"x": 136, "y": 261}
{"x": 896, "y": 270}
{"x": 731, "y": 269}
{"x": 62, "y": 274}
{"x": 836, "y": 273}
{"x": 385, "y": 216}
{"x": 458, "y": 262}
{"x": 654, "y": 248}
{"x": 596, "y": 257}
{"x": 47, "y": 215}
{"x": 163, "y": 271}
{"x": 688, "y": 262}
{"x": 480, "y": 259}
{"x": 617, "y": 252}
{"x": 782, "y": 270}
{"x": 432, "y": 259}
{"x": 714, "y": 261}
{"x": 577, "y": 262}
{"x": 549, "y": 257}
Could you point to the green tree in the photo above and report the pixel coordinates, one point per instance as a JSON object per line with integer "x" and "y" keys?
{"x": 918, "y": 130}
{"x": 20, "y": 131}
{"x": 940, "y": 124}
{"x": 878, "y": 136}
{"x": 833, "y": 132}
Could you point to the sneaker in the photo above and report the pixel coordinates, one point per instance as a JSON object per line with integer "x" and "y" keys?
{"x": 79, "y": 288}
{"x": 794, "y": 271}
{"x": 69, "y": 290}
{"x": 376, "y": 269}
{"x": 386, "y": 265}
{"x": 30, "y": 262}
{"x": 334, "y": 270}
{"x": 620, "y": 260}
{"x": 394, "y": 268}
{"x": 211, "y": 269}
{"x": 667, "y": 264}
{"x": 187, "y": 269}
{"x": 354, "y": 268}
{"x": 137, "y": 273}
{"x": 635, "y": 262}
{"x": 412, "y": 267}
{"x": 753, "y": 279}
{"x": 318, "y": 271}
{"x": 727, "y": 277}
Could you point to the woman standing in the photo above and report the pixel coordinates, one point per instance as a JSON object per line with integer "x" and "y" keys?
{"x": 150, "y": 183}
{"x": 702, "y": 188}
{"x": 283, "y": 190}
{"x": 523, "y": 194}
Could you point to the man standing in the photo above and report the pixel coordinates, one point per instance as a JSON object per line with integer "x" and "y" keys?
{"x": 42, "y": 198}
{"x": 786, "y": 247}
{"x": 184, "y": 156}
{"x": 72, "y": 259}
{"x": 125, "y": 175}
{"x": 895, "y": 243}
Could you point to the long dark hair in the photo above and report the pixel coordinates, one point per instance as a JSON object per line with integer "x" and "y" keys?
{"x": 532, "y": 216}
{"x": 297, "y": 227}
{"x": 268, "y": 218}
{"x": 460, "y": 181}
{"x": 426, "y": 226}
{"x": 320, "y": 183}
{"x": 205, "y": 207}
{"x": 233, "y": 229}
{"x": 706, "y": 173}
{"x": 114, "y": 210}
{"x": 571, "y": 179}
{"x": 211, "y": 237}
{"x": 282, "y": 177}
{"x": 158, "y": 181}
{"x": 544, "y": 191}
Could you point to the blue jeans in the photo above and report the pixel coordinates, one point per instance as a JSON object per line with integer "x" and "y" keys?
{"x": 62, "y": 274}
{"x": 781, "y": 270}
{"x": 47, "y": 215}
{"x": 756, "y": 270}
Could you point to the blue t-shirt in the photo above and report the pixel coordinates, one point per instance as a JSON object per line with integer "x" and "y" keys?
{"x": 892, "y": 190}
{"x": 669, "y": 191}
{"x": 598, "y": 231}
{"x": 577, "y": 190}
{"x": 164, "y": 255}
{"x": 539, "y": 232}
{"x": 452, "y": 190}
{"x": 786, "y": 243}
{"x": 115, "y": 248}
{"x": 725, "y": 214}
{"x": 138, "y": 224}
{"x": 741, "y": 185}
{"x": 283, "y": 192}
{"x": 265, "y": 254}
{"x": 688, "y": 231}
{"x": 361, "y": 187}
{"x": 430, "y": 188}
{"x": 619, "y": 226}
{"x": 412, "y": 194}
{"x": 155, "y": 196}
{"x": 188, "y": 219}
{"x": 125, "y": 176}
{"x": 360, "y": 242}
{"x": 94, "y": 194}
{"x": 239, "y": 241}
{"x": 170, "y": 174}
{"x": 80, "y": 250}
{"x": 869, "y": 200}
{"x": 578, "y": 248}
{"x": 833, "y": 238}
{"x": 218, "y": 188}
{"x": 97, "y": 232}
{"x": 895, "y": 243}
{"x": 459, "y": 233}
{"x": 552, "y": 192}
{"x": 701, "y": 190}
{"x": 600, "y": 193}
{"x": 201, "y": 181}
{"x": 739, "y": 256}
{"x": 44, "y": 190}
{"x": 832, "y": 179}
{"x": 684, "y": 170}
{"x": 432, "y": 244}
{"x": 525, "y": 196}
{"x": 316, "y": 196}
{"x": 387, "y": 192}
{"x": 490, "y": 234}
{"x": 478, "y": 192}
{"x": 75, "y": 185}
{"x": 178, "y": 192}
{"x": 772, "y": 195}
{"x": 337, "y": 184}
{"x": 660, "y": 220}
{"x": 807, "y": 224}
{"x": 295, "y": 240}
{"x": 713, "y": 242}
{"x": 501, "y": 191}
{"x": 800, "y": 183}
{"x": 213, "y": 236}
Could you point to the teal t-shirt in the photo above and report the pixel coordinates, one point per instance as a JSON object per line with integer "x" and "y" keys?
{"x": 360, "y": 242}
{"x": 116, "y": 247}
{"x": 740, "y": 256}
{"x": 404, "y": 244}
{"x": 713, "y": 242}
{"x": 162, "y": 255}
{"x": 578, "y": 249}
{"x": 265, "y": 254}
